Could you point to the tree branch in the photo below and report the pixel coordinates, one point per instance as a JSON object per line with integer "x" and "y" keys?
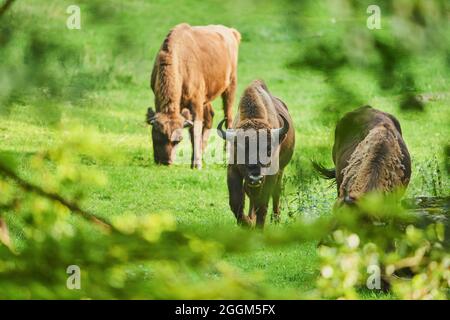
{"x": 53, "y": 196}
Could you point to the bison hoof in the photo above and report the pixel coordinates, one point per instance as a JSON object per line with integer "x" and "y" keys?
{"x": 245, "y": 222}
{"x": 197, "y": 166}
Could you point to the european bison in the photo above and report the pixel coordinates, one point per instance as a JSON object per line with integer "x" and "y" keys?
{"x": 194, "y": 65}
{"x": 369, "y": 155}
{"x": 264, "y": 126}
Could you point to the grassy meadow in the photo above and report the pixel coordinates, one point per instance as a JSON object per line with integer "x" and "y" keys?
{"x": 113, "y": 56}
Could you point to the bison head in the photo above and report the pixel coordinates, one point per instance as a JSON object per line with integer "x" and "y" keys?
{"x": 255, "y": 146}
{"x": 167, "y": 133}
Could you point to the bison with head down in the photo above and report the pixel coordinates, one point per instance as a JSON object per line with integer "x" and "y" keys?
{"x": 369, "y": 154}
{"x": 194, "y": 65}
{"x": 262, "y": 142}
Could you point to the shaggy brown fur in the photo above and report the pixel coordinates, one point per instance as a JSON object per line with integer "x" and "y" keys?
{"x": 193, "y": 67}
{"x": 369, "y": 154}
{"x": 376, "y": 164}
{"x": 258, "y": 109}
{"x": 256, "y": 104}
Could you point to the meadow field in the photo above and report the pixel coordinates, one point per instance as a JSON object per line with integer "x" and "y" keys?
{"x": 105, "y": 90}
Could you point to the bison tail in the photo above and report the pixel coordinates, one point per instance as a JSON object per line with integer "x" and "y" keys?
{"x": 324, "y": 172}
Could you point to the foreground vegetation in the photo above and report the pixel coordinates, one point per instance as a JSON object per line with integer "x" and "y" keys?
{"x": 82, "y": 135}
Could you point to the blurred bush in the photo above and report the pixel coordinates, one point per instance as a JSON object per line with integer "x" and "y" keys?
{"x": 151, "y": 257}
{"x": 381, "y": 246}
{"x": 128, "y": 257}
{"x": 44, "y": 63}
{"x": 334, "y": 40}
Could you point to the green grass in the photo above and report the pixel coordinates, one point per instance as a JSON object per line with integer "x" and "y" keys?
{"x": 199, "y": 199}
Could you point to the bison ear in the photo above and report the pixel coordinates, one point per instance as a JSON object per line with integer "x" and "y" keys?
{"x": 188, "y": 118}
{"x": 151, "y": 116}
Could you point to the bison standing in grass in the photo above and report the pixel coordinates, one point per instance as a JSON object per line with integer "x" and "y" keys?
{"x": 262, "y": 143}
{"x": 194, "y": 66}
{"x": 369, "y": 155}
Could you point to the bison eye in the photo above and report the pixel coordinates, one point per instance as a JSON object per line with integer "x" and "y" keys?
{"x": 176, "y": 140}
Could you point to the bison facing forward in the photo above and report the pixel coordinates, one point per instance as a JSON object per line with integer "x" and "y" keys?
{"x": 262, "y": 143}
{"x": 369, "y": 154}
{"x": 194, "y": 66}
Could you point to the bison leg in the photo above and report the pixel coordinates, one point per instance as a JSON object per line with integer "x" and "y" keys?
{"x": 276, "y": 198}
{"x": 237, "y": 195}
{"x": 261, "y": 212}
{"x": 196, "y": 136}
{"x": 208, "y": 116}
{"x": 228, "y": 99}
{"x": 252, "y": 211}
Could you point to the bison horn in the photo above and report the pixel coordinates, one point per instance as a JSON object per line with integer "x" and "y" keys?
{"x": 188, "y": 124}
{"x": 226, "y": 135}
{"x": 284, "y": 129}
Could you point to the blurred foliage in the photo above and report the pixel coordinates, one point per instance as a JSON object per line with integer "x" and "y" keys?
{"x": 334, "y": 40}
{"x": 381, "y": 236}
{"x": 151, "y": 256}
{"x": 42, "y": 66}
{"x": 132, "y": 257}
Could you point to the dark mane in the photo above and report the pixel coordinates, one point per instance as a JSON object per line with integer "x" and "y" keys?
{"x": 380, "y": 151}
{"x": 252, "y": 105}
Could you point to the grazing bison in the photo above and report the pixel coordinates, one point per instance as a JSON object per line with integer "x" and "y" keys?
{"x": 260, "y": 173}
{"x": 194, "y": 65}
{"x": 369, "y": 155}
